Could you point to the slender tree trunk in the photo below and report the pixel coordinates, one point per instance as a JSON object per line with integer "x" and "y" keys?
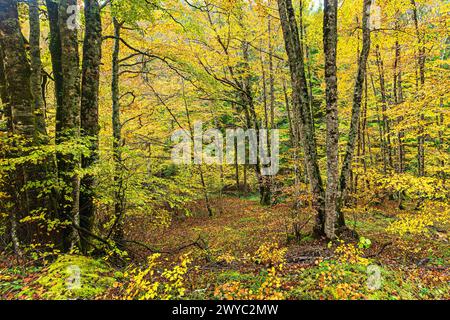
{"x": 386, "y": 125}
{"x": 6, "y": 106}
{"x": 356, "y": 110}
{"x": 398, "y": 97}
{"x": 252, "y": 122}
{"x": 89, "y": 108}
{"x": 55, "y": 50}
{"x": 330, "y": 48}
{"x": 300, "y": 100}
{"x": 271, "y": 75}
{"x": 119, "y": 192}
{"x": 36, "y": 66}
{"x": 199, "y": 166}
{"x": 421, "y": 64}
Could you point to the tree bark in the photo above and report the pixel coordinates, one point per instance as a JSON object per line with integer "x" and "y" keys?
{"x": 6, "y": 106}
{"x": 89, "y": 108}
{"x": 356, "y": 110}
{"x": 36, "y": 67}
{"x": 68, "y": 125}
{"x": 330, "y": 48}
{"x": 17, "y": 71}
{"x": 384, "y": 102}
{"x": 300, "y": 100}
{"x": 421, "y": 64}
{"x": 55, "y": 50}
{"x": 119, "y": 196}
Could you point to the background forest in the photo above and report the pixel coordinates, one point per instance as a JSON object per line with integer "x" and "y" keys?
{"x": 93, "y": 207}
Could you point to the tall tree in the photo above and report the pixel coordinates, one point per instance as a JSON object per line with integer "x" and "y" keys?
{"x": 300, "y": 100}
{"x": 17, "y": 71}
{"x": 421, "y": 58}
{"x": 89, "y": 107}
{"x": 356, "y": 110}
{"x": 68, "y": 123}
{"x": 330, "y": 49}
{"x": 6, "y": 107}
{"x": 36, "y": 66}
{"x": 119, "y": 198}
{"x": 55, "y": 49}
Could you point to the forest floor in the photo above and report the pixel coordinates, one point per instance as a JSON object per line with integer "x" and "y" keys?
{"x": 246, "y": 251}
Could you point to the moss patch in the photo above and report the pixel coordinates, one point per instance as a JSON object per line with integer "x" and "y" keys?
{"x": 75, "y": 277}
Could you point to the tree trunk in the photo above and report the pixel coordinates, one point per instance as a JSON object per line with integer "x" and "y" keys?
{"x": 55, "y": 50}
{"x": 386, "y": 125}
{"x": 6, "y": 106}
{"x": 17, "y": 71}
{"x": 119, "y": 196}
{"x": 421, "y": 64}
{"x": 68, "y": 125}
{"x": 356, "y": 110}
{"x": 36, "y": 67}
{"x": 330, "y": 48}
{"x": 300, "y": 100}
{"x": 89, "y": 108}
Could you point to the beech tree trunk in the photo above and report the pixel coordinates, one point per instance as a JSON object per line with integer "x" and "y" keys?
{"x": 119, "y": 197}
{"x": 36, "y": 67}
{"x": 89, "y": 108}
{"x": 300, "y": 99}
{"x": 17, "y": 71}
{"x": 421, "y": 64}
{"x": 6, "y": 106}
{"x": 356, "y": 110}
{"x": 55, "y": 50}
{"x": 330, "y": 48}
{"x": 68, "y": 124}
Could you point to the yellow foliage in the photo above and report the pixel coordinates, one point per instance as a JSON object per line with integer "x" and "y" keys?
{"x": 269, "y": 254}
{"x": 146, "y": 285}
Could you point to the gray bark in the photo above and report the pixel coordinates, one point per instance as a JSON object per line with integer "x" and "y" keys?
{"x": 300, "y": 99}
{"x": 330, "y": 48}
{"x": 89, "y": 108}
{"x": 356, "y": 110}
{"x": 68, "y": 124}
{"x": 36, "y": 67}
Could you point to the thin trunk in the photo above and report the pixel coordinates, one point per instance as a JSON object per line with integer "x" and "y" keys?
{"x": 55, "y": 50}
{"x": 300, "y": 100}
{"x": 36, "y": 66}
{"x": 6, "y": 106}
{"x": 386, "y": 125}
{"x": 398, "y": 97}
{"x": 252, "y": 122}
{"x": 380, "y": 129}
{"x": 421, "y": 76}
{"x": 119, "y": 192}
{"x": 199, "y": 166}
{"x": 271, "y": 75}
{"x": 356, "y": 110}
{"x": 330, "y": 48}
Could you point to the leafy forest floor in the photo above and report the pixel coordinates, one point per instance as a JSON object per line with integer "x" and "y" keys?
{"x": 246, "y": 252}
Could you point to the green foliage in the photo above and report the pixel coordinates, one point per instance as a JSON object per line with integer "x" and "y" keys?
{"x": 58, "y": 279}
